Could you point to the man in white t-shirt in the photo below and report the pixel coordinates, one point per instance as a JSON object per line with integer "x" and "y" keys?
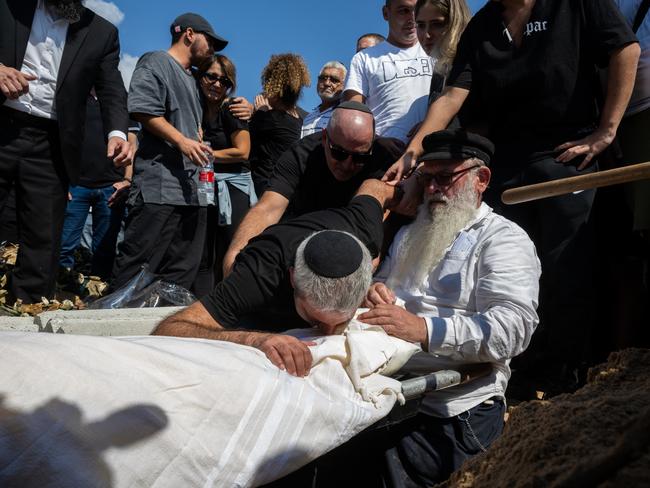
{"x": 329, "y": 88}
{"x": 393, "y": 77}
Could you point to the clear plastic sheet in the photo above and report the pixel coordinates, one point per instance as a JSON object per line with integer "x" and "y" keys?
{"x": 145, "y": 290}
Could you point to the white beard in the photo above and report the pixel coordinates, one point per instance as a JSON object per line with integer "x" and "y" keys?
{"x": 329, "y": 97}
{"x": 427, "y": 238}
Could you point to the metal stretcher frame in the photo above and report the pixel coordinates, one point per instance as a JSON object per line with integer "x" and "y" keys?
{"x": 417, "y": 380}
{"x": 436, "y": 380}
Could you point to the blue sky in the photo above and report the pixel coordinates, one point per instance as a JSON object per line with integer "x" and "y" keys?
{"x": 318, "y": 30}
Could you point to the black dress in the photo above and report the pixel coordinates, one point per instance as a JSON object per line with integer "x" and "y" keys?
{"x": 218, "y": 132}
{"x": 272, "y": 133}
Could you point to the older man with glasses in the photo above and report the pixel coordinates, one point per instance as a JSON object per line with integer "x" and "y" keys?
{"x": 463, "y": 282}
{"x": 330, "y": 86}
{"x": 322, "y": 170}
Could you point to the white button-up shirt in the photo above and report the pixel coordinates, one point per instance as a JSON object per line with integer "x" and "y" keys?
{"x": 316, "y": 121}
{"x": 480, "y": 306}
{"x": 42, "y": 60}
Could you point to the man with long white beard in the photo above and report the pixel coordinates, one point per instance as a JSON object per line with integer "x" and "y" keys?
{"x": 463, "y": 282}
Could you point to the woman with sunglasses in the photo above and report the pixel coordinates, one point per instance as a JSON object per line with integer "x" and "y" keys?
{"x": 276, "y": 127}
{"x": 230, "y": 142}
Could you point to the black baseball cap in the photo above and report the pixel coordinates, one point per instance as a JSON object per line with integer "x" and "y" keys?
{"x": 198, "y": 24}
{"x": 456, "y": 144}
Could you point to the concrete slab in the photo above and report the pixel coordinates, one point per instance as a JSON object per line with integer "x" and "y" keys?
{"x": 18, "y": 324}
{"x": 111, "y": 314}
{"x": 106, "y": 329}
{"x": 133, "y": 321}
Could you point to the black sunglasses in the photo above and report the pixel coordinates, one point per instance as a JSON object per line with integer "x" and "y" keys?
{"x": 333, "y": 79}
{"x": 340, "y": 154}
{"x": 442, "y": 179}
{"x": 223, "y": 80}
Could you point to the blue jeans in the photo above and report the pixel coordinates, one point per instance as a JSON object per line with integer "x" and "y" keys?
{"x": 106, "y": 227}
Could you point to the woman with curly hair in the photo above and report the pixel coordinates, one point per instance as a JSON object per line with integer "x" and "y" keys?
{"x": 277, "y": 120}
{"x": 230, "y": 142}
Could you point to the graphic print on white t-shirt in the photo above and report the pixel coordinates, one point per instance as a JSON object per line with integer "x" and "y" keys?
{"x": 395, "y": 83}
{"x": 407, "y": 68}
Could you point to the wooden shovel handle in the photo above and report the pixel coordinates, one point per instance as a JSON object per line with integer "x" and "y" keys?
{"x": 562, "y": 186}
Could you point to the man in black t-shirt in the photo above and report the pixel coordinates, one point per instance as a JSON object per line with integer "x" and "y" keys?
{"x": 323, "y": 170}
{"x": 277, "y": 279}
{"x": 103, "y": 188}
{"x": 525, "y": 76}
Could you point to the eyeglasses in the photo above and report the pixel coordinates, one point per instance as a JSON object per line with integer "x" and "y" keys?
{"x": 444, "y": 179}
{"x": 333, "y": 79}
{"x": 340, "y": 154}
{"x": 223, "y": 80}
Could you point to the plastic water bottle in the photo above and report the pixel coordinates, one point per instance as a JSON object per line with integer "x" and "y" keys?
{"x": 206, "y": 180}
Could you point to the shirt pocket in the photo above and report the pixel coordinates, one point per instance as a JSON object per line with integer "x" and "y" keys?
{"x": 449, "y": 279}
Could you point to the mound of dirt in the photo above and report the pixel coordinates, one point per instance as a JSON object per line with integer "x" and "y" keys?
{"x": 597, "y": 436}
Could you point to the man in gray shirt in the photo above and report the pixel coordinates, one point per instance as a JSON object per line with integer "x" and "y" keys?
{"x": 165, "y": 227}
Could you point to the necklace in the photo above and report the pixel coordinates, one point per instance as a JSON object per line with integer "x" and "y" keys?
{"x": 514, "y": 22}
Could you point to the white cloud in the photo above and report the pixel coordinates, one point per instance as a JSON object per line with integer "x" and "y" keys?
{"x": 115, "y": 16}
{"x": 126, "y": 67}
{"x": 108, "y": 10}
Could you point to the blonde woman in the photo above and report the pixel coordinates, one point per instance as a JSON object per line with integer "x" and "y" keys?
{"x": 440, "y": 24}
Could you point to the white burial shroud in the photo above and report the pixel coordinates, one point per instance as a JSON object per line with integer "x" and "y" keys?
{"x": 166, "y": 411}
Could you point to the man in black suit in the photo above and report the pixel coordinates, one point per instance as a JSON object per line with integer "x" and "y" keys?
{"x": 52, "y": 52}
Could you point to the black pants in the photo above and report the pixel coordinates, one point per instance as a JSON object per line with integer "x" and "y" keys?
{"x": 217, "y": 241}
{"x": 31, "y": 162}
{"x": 167, "y": 238}
{"x": 563, "y": 235}
{"x": 418, "y": 452}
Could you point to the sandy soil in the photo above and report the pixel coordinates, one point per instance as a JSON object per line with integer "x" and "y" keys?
{"x": 597, "y": 436}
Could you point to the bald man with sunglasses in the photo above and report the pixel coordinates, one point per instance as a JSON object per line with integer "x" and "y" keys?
{"x": 322, "y": 170}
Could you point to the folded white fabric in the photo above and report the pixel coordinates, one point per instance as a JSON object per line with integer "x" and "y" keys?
{"x": 364, "y": 350}
{"x": 167, "y": 412}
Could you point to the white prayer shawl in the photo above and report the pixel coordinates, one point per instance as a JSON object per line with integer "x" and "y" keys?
{"x": 167, "y": 412}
